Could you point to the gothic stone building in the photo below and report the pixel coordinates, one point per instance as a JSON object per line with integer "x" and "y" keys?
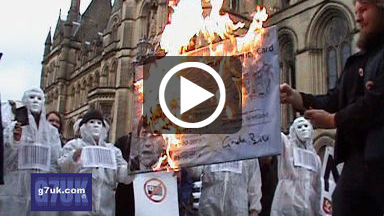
{"x": 89, "y": 60}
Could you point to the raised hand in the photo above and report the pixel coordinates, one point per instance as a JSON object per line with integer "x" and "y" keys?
{"x": 321, "y": 118}
{"x": 77, "y": 154}
{"x": 17, "y": 131}
{"x": 288, "y": 95}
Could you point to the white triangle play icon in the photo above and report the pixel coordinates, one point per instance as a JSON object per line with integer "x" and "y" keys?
{"x": 191, "y": 95}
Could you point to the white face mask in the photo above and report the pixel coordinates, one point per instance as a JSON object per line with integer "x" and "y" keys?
{"x": 303, "y": 130}
{"x": 94, "y": 127}
{"x": 35, "y": 102}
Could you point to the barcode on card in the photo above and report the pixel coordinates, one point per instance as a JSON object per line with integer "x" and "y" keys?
{"x": 35, "y": 156}
{"x": 235, "y": 167}
{"x": 94, "y": 156}
{"x": 304, "y": 158}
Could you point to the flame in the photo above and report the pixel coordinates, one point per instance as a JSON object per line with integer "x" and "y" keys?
{"x": 184, "y": 23}
{"x": 244, "y": 94}
{"x": 185, "y": 31}
{"x": 172, "y": 3}
{"x": 169, "y": 160}
{"x": 253, "y": 38}
{"x": 216, "y": 24}
{"x": 140, "y": 95}
{"x": 187, "y": 22}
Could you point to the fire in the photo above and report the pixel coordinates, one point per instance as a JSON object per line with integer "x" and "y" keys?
{"x": 172, "y": 3}
{"x": 216, "y": 24}
{"x": 168, "y": 160}
{"x": 185, "y": 22}
{"x": 140, "y": 95}
{"x": 187, "y": 30}
{"x": 254, "y": 36}
{"x": 244, "y": 95}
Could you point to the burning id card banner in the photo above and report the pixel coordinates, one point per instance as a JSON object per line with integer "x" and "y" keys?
{"x": 248, "y": 125}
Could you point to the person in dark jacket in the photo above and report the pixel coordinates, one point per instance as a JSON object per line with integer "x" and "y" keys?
{"x": 124, "y": 192}
{"x": 355, "y": 107}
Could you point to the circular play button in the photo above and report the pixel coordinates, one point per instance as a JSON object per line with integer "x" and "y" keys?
{"x": 191, "y": 95}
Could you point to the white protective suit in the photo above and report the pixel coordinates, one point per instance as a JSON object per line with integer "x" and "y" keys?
{"x": 104, "y": 180}
{"x": 232, "y": 188}
{"x": 15, "y": 193}
{"x": 299, "y": 187}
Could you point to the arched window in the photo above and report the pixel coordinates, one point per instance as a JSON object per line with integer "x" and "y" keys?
{"x": 90, "y": 82}
{"x": 287, "y": 75}
{"x": 145, "y": 22}
{"x": 112, "y": 75}
{"x": 96, "y": 82}
{"x": 77, "y": 96}
{"x": 114, "y": 32}
{"x": 148, "y": 20}
{"x": 71, "y": 98}
{"x": 84, "y": 93}
{"x": 331, "y": 67}
{"x": 104, "y": 77}
{"x": 53, "y": 69}
{"x": 114, "y": 29}
{"x": 337, "y": 47}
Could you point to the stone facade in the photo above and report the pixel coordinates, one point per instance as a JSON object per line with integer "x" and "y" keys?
{"x": 89, "y": 62}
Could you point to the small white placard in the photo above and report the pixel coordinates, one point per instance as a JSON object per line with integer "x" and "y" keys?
{"x": 304, "y": 158}
{"x": 96, "y": 156}
{"x": 34, "y": 156}
{"x": 235, "y": 167}
{"x": 156, "y": 194}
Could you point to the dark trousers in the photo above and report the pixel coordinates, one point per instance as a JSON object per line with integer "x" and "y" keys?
{"x": 360, "y": 189}
{"x": 125, "y": 202}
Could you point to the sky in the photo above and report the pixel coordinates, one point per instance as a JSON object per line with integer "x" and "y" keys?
{"x": 24, "y": 25}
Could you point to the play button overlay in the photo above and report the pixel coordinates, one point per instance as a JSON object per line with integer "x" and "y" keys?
{"x": 191, "y": 95}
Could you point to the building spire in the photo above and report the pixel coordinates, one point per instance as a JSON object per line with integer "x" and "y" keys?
{"x": 48, "y": 40}
{"x": 48, "y": 44}
{"x": 58, "y": 25}
{"x": 74, "y": 11}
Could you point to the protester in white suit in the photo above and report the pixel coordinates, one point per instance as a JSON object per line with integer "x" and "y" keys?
{"x": 22, "y": 142}
{"x": 107, "y": 174}
{"x": 299, "y": 187}
{"x": 232, "y": 188}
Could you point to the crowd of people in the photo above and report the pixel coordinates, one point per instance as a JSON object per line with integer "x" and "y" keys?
{"x": 354, "y": 107}
{"x": 232, "y": 188}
